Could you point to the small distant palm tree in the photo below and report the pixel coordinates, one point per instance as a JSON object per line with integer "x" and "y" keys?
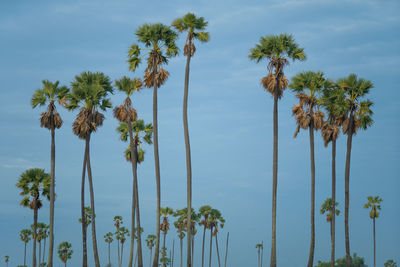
{"x": 390, "y": 263}
{"x": 214, "y": 222}
{"x": 327, "y": 208}
{"x": 374, "y": 204}
{"x": 65, "y": 252}
{"x": 259, "y": 247}
{"x": 25, "y": 236}
{"x": 195, "y": 28}
{"x": 164, "y": 227}
{"x": 45, "y": 236}
{"x": 121, "y": 235}
{"x": 51, "y": 119}
{"x": 89, "y": 93}
{"x": 33, "y": 183}
{"x": 41, "y": 235}
{"x": 150, "y": 244}
{"x": 308, "y": 86}
{"x": 159, "y": 40}
{"x": 180, "y": 229}
{"x": 277, "y": 49}
{"x": 7, "y": 258}
{"x": 117, "y": 223}
{"x": 357, "y": 114}
{"x": 205, "y": 212}
{"x": 108, "y": 239}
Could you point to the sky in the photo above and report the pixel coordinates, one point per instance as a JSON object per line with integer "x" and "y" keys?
{"x": 230, "y": 124}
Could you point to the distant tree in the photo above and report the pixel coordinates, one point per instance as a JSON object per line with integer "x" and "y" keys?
{"x": 164, "y": 227}
{"x": 180, "y": 229}
{"x": 390, "y": 263}
{"x": 25, "y": 236}
{"x": 65, "y": 252}
{"x": 117, "y": 223}
{"x": 355, "y": 261}
{"x": 205, "y": 212}
{"x": 259, "y": 247}
{"x": 33, "y": 183}
{"x": 150, "y": 244}
{"x": 374, "y": 204}
{"x": 108, "y": 239}
{"x": 6, "y": 260}
{"x": 121, "y": 235}
{"x": 214, "y": 222}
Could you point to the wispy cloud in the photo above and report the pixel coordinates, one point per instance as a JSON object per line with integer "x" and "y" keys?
{"x": 20, "y": 163}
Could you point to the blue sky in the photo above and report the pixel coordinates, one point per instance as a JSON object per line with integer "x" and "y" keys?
{"x": 230, "y": 122}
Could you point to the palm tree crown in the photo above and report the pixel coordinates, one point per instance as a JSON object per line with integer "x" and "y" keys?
{"x": 327, "y": 208}
{"x": 65, "y": 251}
{"x": 374, "y": 204}
{"x": 33, "y": 183}
{"x": 25, "y": 235}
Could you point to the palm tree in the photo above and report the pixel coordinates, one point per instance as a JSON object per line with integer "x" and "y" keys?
{"x": 50, "y": 93}
{"x": 165, "y": 212}
{"x": 121, "y": 235}
{"x": 205, "y": 212}
{"x": 374, "y": 204}
{"x": 390, "y": 263}
{"x": 89, "y": 93}
{"x": 330, "y": 132}
{"x": 150, "y": 244}
{"x": 127, "y": 114}
{"x": 330, "y": 215}
{"x": 25, "y": 236}
{"x": 308, "y": 86}
{"x": 258, "y": 247}
{"x": 45, "y": 236}
{"x": 277, "y": 49}
{"x": 33, "y": 183}
{"x": 180, "y": 228}
{"x": 357, "y": 114}
{"x": 226, "y": 249}
{"x": 7, "y": 258}
{"x": 65, "y": 252}
{"x": 156, "y": 38}
{"x": 108, "y": 239}
{"x": 215, "y": 220}
{"x": 195, "y": 31}
{"x": 41, "y": 233}
{"x": 117, "y": 223}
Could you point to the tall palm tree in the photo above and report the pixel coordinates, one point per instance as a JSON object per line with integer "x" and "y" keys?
{"x": 65, "y": 252}
{"x": 25, "y": 236}
{"x": 308, "y": 86}
{"x": 127, "y": 114}
{"x": 326, "y": 207}
{"x": 357, "y": 114}
{"x": 33, "y": 183}
{"x": 41, "y": 228}
{"x": 214, "y": 222}
{"x": 195, "y": 28}
{"x": 150, "y": 244}
{"x": 121, "y": 235}
{"x": 330, "y": 132}
{"x": 277, "y": 49}
{"x": 117, "y": 223}
{"x": 108, "y": 238}
{"x": 205, "y": 212}
{"x": 50, "y": 93}
{"x": 159, "y": 41}
{"x": 89, "y": 93}
{"x": 258, "y": 247}
{"x": 374, "y": 204}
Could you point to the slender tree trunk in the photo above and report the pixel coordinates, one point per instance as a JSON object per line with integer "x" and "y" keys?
{"x": 157, "y": 168}
{"x": 374, "y": 244}
{"x": 202, "y": 249}
{"x": 83, "y": 216}
{"x": 35, "y": 218}
{"x": 262, "y": 252}
{"x": 346, "y": 190}
{"x": 164, "y": 254}
{"x": 258, "y": 257}
{"x": 40, "y": 252}
{"x": 44, "y": 249}
{"x": 138, "y": 235}
{"x": 192, "y": 249}
{"x": 210, "y": 246}
{"x": 274, "y": 180}
{"x": 334, "y": 203}
{"x": 122, "y": 252}
{"x": 173, "y": 252}
{"x": 65, "y": 264}
{"x": 133, "y": 152}
{"x": 25, "y": 255}
{"x": 226, "y": 249}
{"x": 312, "y": 245}
{"x": 93, "y": 227}
{"x": 151, "y": 253}
{"x": 52, "y": 196}
{"x": 216, "y": 243}
{"x": 181, "y": 241}
{"x": 136, "y": 255}
{"x": 188, "y": 158}
{"x": 119, "y": 257}
{"x": 109, "y": 258}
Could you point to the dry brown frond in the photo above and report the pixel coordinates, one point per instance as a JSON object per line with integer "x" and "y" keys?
{"x": 148, "y": 79}
{"x": 57, "y": 121}
{"x": 297, "y": 131}
{"x": 120, "y": 113}
{"x": 318, "y": 119}
{"x": 269, "y": 82}
{"x": 305, "y": 122}
{"x": 296, "y": 109}
{"x": 161, "y": 77}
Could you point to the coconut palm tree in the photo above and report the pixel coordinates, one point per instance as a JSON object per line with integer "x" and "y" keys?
{"x": 308, "y": 86}
{"x": 33, "y": 183}
{"x": 259, "y": 247}
{"x": 205, "y": 212}
{"x": 331, "y": 99}
{"x": 195, "y": 28}
{"x": 357, "y": 114}
{"x": 214, "y": 222}
{"x": 180, "y": 229}
{"x": 121, "y": 235}
{"x": 6, "y": 260}
{"x": 25, "y": 236}
{"x": 165, "y": 212}
{"x": 117, "y": 223}
{"x": 89, "y": 93}
{"x": 65, "y": 252}
{"x": 45, "y": 236}
{"x": 330, "y": 215}
{"x": 150, "y": 244}
{"x": 51, "y": 119}
{"x": 277, "y": 49}
{"x": 127, "y": 114}
{"x": 374, "y": 204}
{"x": 108, "y": 238}
{"x": 41, "y": 229}
{"x": 159, "y": 41}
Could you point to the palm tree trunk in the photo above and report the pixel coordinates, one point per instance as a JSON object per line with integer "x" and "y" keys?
{"x": 35, "y": 218}
{"x": 192, "y": 250}
{"x": 181, "y": 241}
{"x": 138, "y": 235}
{"x": 210, "y": 246}
{"x": 164, "y": 250}
{"x": 93, "y": 227}
{"x": 346, "y": 190}
{"x": 173, "y": 252}
{"x": 151, "y": 253}
{"x": 157, "y": 168}
{"x": 40, "y": 252}
{"x": 133, "y": 151}
{"x": 136, "y": 255}
{"x": 374, "y": 243}
{"x": 274, "y": 180}
{"x": 44, "y": 248}
{"x": 216, "y": 242}
{"x": 109, "y": 258}
{"x": 52, "y": 198}
{"x": 119, "y": 257}
{"x": 202, "y": 249}
{"x": 122, "y": 252}
{"x": 334, "y": 203}
{"x": 262, "y": 253}
{"x": 83, "y": 216}
{"x": 25, "y": 255}
{"x": 188, "y": 159}
{"x": 226, "y": 249}
{"x": 312, "y": 245}
{"x": 65, "y": 264}
{"x": 258, "y": 257}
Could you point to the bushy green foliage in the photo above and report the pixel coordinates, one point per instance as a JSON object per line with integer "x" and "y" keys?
{"x": 356, "y": 262}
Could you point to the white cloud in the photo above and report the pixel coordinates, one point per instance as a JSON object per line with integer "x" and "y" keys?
{"x": 20, "y": 163}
